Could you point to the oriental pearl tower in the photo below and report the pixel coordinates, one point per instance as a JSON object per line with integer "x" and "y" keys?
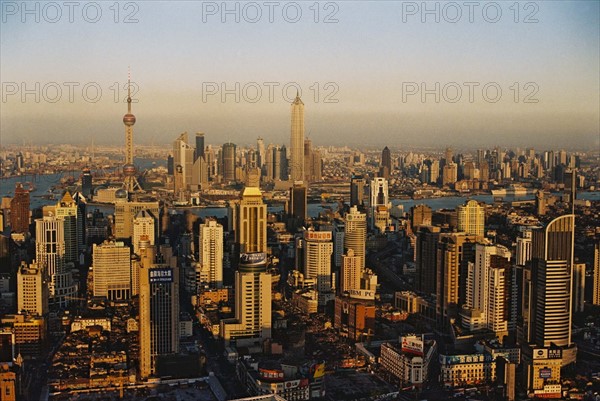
{"x": 130, "y": 184}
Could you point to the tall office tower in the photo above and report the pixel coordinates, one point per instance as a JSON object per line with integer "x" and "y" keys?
{"x": 251, "y": 222}
{"x": 357, "y": 190}
{"x": 183, "y": 155}
{"x": 450, "y": 174}
{"x": 426, "y": 258}
{"x": 210, "y": 253}
{"x": 449, "y": 155}
{"x": 260, "y": 146}
{"x": 471, "y": 218}
{"x": 317, "y": 166}
{"x": 67, "y": 210}
{"x": 131, "y": 183}
{"x": 199, "y": 151}
{"x": 523, "y": 252}
{"x": 470, "y": 171}
{"x": 86, "y": 183}
{"x": 19, "y": 210}
{"x": 434, "y": 172}
{"x": 298, "y": 204}
{"x": 125, "y": 213}
{"x": 200, "y": 175}
{"x": 111, "y": 264}
{"x": 144, "y": 227}
{"x": 562, "y": 157}
{"x": 159, "y": 312}
{"x": 32, "y": 290}
{"x": 308, "y": 155}
{"x": 228, "y": 168}
{"x": 385, "y": 167}
{"x": 551, "y": 286}
{"x": 487, "y": 290}
{"x": 297, "y": 141}
{"x": 50, "y": 256}
{"x": 420, "y": 215}
{"x": 318, "y": 248}
{"x": 540, "y": 203}
{"x": 351, "y": 272}
{"x": 452, "y": 257}
{"x": 578, "y": 296}
{"x": 481, "y": 157}
{"x": 339, "y": 228}
{"x": 355, "y": 233}
{"x": 596, "y": 289}
{"x": 252, "y": 322}
{"x": 380, "y": 206}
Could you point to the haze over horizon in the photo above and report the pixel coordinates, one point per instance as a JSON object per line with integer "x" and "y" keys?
{"x": 368, "y": 61}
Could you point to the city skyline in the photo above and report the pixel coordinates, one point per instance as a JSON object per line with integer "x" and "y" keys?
{"x": 557, "y": 55}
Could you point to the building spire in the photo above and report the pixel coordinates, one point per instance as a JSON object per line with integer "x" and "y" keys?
{"x": 129, "y": 89}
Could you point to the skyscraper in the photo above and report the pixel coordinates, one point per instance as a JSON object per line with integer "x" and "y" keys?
{"x": 251, "y": 222}
{"x": 32, "y": 290}
{"x": 86, "y": 183}
{"x": 351, "y": 271}
{"x": 471, "y": 218}
{"x": 199, "y": 151}
{"x": 125, "y": 213}
{"x": 357, "y": 190}
{"x": 386, "y": 163}
{"x": 210, "y": 253}
{"x": 426, "y": 258}
{"x": 252, "y": 322}
{"x": 159, "y": 312}
{"x": 67, "y": 210}
{"x": 131, "y": 183}
{"x": 228, "y": 154}
{"x": 298, "y": 204}
{"x": 260, "y": 146}
{"x": 183, "y": 155}
{"x": 355, "y": 234}
{"x": 111, "y": 264}
{"x": 50, "y": 256}
{"x": 380, "y": 205}
{"x": 451, "y": 259}
{"x": 318, "y": 248}
{"x": 596, "y": 290}
{"x": 297, "y": 141}
{"x": 552, "y": 286}
{"x": 420, "y": 215}
{"x": 144, "y": 227}
{"x": 19, "y": 210}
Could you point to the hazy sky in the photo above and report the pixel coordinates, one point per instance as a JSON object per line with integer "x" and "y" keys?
{"x": 376, "y": 61}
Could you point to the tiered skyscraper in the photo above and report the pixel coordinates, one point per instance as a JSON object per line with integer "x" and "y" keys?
{"x": 297, "y": 141}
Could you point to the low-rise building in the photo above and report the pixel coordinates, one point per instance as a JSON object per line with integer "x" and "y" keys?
{"x": 467, "y": 369}
{"x": 409, "y": 359}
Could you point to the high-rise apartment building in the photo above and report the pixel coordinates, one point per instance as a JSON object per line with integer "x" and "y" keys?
{"x": 210, "y": 254}
{"x": 32, "y": 290}
{"x": 426, "y": 258}
{"x": 596, "y": 290}
{"x": 67, "y": 210}
{"x": 357, "y": 190}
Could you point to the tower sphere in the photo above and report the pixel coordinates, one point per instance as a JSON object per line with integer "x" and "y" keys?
{"x": 129, "y": 169}
{"x": 129, "y": 119}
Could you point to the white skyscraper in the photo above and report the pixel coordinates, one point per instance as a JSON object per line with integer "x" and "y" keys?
{"x": 297, "y": 141}
{"x": 210, "y": 251}
{"x": 379, "y": 207}
{"x": 355, "y": 234}
{"x": 523, "y": 254}
{"x": 50, "y": 256}
{"x": 318, "y": 248}
{"x": 66, "y": 209}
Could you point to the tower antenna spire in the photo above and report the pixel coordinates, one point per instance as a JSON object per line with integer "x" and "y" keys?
{"x": 129, "y": 89}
